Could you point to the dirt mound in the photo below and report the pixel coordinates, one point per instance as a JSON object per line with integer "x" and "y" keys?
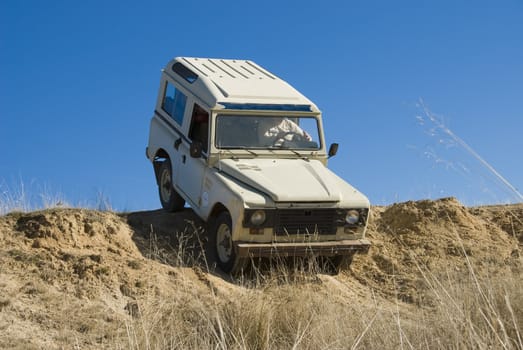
{"x": 73, "y": 276}
{"x": 509, "y": 218}
{"x": 70, "y": 274}
{"x": 413, "y": 242}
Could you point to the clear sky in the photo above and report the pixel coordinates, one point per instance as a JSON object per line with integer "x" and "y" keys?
{"x": 78, "y": 84}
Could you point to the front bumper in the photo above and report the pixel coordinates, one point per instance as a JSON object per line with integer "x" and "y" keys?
{"x": 332, "y": 248}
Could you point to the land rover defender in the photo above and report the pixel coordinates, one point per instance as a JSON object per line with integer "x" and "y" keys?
{"x": 246, "y": 151}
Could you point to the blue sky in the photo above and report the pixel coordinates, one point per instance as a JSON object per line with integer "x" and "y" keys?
{"x": 78, "y": 84}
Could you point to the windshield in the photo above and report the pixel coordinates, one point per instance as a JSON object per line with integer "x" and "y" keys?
{"x": 262, "y": 132}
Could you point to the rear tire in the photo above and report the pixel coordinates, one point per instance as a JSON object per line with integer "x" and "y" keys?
{"x": 170, "y": 199}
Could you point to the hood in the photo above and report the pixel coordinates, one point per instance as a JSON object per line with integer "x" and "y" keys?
{"x": 286, "y": 180}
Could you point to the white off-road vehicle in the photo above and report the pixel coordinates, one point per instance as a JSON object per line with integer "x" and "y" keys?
{"x": 247, "y": 152}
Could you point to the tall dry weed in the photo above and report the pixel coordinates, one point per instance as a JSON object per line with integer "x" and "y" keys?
{"x": 293, "y": 305}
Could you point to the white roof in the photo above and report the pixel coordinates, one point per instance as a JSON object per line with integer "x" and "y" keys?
{"x": 238, "y": 81}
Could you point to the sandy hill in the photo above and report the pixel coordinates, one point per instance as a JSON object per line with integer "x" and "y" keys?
{"x": 75, "y": 278}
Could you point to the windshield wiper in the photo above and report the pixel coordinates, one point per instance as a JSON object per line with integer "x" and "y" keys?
{"x": 304, "y": 157}
{"x": 248, "y": 150}
{"x": 238, "y": 147}
{"x": 223, "y": 150}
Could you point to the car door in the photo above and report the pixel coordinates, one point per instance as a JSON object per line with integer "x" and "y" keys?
{"x": 172, "y": 115}
{"x": 192, "y": 170}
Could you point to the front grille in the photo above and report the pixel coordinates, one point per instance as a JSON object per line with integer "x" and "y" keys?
{"x": 305, "y": 221}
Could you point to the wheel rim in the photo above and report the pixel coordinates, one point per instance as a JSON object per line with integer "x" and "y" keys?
{"x": 224, "y": 243}
{"x": 165, "y": 186}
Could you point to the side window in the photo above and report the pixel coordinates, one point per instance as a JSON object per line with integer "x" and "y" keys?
{"x": 199, "y": 130}
{"x": 174, "y": 103}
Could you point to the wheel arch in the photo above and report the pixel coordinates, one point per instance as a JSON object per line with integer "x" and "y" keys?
{"x": 160, "y": 156}
{"x": 217, "y": 209}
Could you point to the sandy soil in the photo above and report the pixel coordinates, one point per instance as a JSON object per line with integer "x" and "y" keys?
{"x": 74, "y": 277}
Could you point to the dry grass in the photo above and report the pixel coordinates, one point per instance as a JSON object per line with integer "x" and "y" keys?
{"x": 274, "y": 307}
{"x": 298, "y": 308}
{"x": 26, "y": 196}
{"x": 295, "y": 311}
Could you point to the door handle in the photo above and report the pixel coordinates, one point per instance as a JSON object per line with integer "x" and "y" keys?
{"x": 177, "y": 143}
{"x": 184, "y": 158}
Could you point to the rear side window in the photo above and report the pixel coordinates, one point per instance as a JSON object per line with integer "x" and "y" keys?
{"x": 174, "y": 103}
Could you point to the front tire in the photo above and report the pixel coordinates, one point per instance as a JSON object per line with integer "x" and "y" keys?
{"x": 222, "y": 245}
{"x": 170, "y": 199}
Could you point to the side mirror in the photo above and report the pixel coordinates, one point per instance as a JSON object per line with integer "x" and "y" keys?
{"x": 196, "y": 149}
{"x": 333, "y": 150}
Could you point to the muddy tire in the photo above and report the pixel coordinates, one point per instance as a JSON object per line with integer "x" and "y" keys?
{"x": 222, "y": 247}
{"x": 170, "y": 199}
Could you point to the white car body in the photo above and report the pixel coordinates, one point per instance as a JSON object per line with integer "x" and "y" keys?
{"x": 305, "y": 204}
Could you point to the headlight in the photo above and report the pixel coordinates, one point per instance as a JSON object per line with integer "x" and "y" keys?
{"x": 352, "y": 217}
{"x": 258, "y": 218}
